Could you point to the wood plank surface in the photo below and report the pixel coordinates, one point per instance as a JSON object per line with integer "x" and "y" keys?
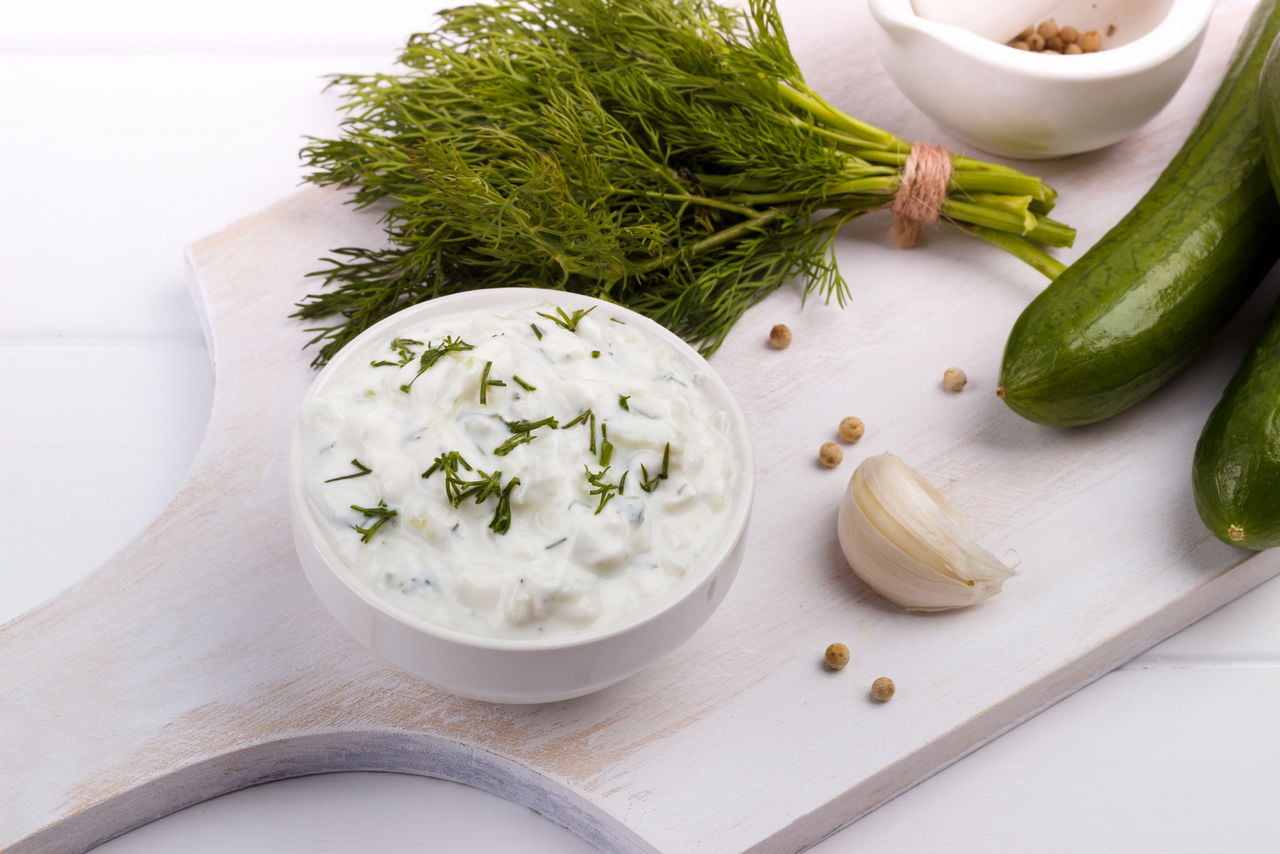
{"x": 195, "y": 661}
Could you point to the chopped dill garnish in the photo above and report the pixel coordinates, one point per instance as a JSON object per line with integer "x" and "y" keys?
{"x": 565, "y": 320}
{"x": 448, "y": 463}
{"x": 522, "y": 433}
{"x": 486, "y": 383}
{"x": 578, "y": 419}
{"x": 622, "y": 401}
{"x": 524, "y": 385}
{"x": 501, "y": 522}
{"x": 434, "y": 354}
{"x": 558, "y": 542}
{"x": 602, "y": 487}
{"x": 616, "y": 320}
{"x": 526, "y": 426}
{"x": 606, "y": 447}
{"x": 485, "y": 485}
{"x": 381, "y": 514}
{"x": 514, "y": 441}
{"x": 589, "y": 417}
{"x": 536, "y": 330}
{"x": 595, "y": 354}
{"x": 401, "y": 346}
{"x": 363, "y": 470}
{"x": 649, "y": 484}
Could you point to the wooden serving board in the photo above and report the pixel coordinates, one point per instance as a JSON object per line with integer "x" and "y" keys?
{"x": 197, "y": 661}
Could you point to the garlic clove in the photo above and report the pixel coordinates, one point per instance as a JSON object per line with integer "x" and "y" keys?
{"x": 902, "y": 538}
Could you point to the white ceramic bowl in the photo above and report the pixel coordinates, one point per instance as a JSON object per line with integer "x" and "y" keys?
{"x": 524, "y": 671}
{"x": 1021, "y": 104}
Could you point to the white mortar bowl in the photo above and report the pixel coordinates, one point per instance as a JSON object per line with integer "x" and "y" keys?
{"x": 1016, "y": 103}
{"x": 524, "y": 671}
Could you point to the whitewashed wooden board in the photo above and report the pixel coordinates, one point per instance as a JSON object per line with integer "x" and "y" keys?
{"x": 197, "y": 662}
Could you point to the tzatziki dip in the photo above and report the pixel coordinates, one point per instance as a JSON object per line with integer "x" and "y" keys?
{"x": 518, "y": 473}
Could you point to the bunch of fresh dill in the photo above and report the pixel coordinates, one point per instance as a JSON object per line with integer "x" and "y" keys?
{"x": 663, "y": 154}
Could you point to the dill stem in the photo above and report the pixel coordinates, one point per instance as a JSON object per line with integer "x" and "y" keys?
{"x": 808, "y": 101}
{"x": 691, "y": 199}
{"x": 972, "y": 175}
{"x": 1045, "y": 230}
{"x": 883, "y": 184}
{"x": 1020, "y": 248}
{"x": 724, "y": 235}
{"x": 827, "y": 133}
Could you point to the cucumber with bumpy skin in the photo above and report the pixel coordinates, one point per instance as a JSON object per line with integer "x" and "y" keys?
{"x": 1130, "y": 313}
{"x": 1236, "y": 475}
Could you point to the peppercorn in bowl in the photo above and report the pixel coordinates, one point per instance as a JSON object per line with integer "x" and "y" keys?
{"x": 520, "y": 495}
{"x": 1030, "y": 103}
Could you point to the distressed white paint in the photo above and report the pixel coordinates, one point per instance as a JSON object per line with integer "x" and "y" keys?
{"x": 163, "y": 659}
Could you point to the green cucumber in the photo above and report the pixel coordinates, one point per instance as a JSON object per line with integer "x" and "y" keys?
{"x": 1236, "y": 474}
{"x": 1127, "y": 316}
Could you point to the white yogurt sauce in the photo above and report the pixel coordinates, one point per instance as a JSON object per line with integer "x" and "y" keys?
{"x": 582, "y": 548}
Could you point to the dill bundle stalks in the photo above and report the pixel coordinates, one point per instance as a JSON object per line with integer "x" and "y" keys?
{"x": 663, "y": 154}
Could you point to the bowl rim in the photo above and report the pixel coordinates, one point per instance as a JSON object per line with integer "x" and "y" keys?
{"x": 514, "y": 299}
{"x": 1182, "y": 25}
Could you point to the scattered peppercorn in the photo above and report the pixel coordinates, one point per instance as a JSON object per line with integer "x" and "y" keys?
{"x": 830, "y": 454}
{"x": 882, "y": 689}
{"x": 780, "y": 336}
{"x": 1073, "y": 49}
{"x": 1069, "y": 34}
{"x": 1035, "y": 42}
{"x": 954, "y": 379}
{"x": 1020, "y": 45}
{"x": 836, "y": 656}
{"x": 1048, "y": 29}
{"x": 1091, "y": 41}
{"x": 851, "y": 429}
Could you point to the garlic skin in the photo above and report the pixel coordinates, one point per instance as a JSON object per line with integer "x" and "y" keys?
{"x": 902, "y": 538}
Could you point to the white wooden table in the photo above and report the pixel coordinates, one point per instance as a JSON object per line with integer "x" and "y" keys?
{"x": 130, "y": 129}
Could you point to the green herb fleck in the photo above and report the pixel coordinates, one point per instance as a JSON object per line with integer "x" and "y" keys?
{"x": 501, "y": 522}
{"x": 448, "y": 463}
{"x": 578, "y": 419}
{"x": 616, "y": 320}
{"x": 606, "y": 447}
{"x": 512, "y": 443}
{"x": 485, "y": 383}
{"x": 458, "y": 489}
{"x": 434, "y": 354}
{"x": 381, "y": 514}
{"x": 536, "y": 330}
{"x": 622, "y": 401}
{"x": 526, "y": 426}
{"x": 557, "y": 542}
{"x": 567, "y": 321}
{"x": 522, "y": 433}
{"x": 589, "y": 417}
{"x": 602, "y": 487}
{"x": 649, "y": 484}
{"x": 363, "y": 470}
{"x": 524, "y": 385}
{"x": 401, "y": 346}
